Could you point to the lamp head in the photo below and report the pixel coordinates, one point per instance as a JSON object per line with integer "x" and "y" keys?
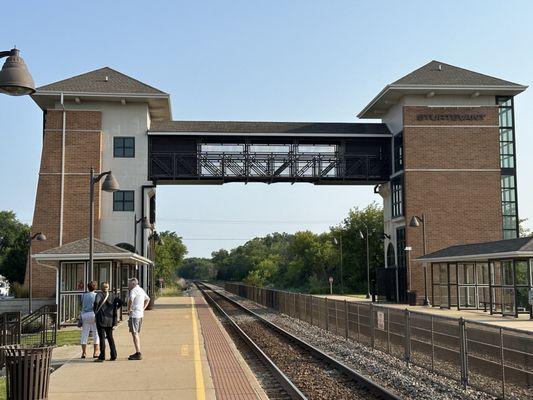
{"x": 145, "y": 223}
{"x": 415, "y": 222}
{"x": 15, "y": 79}
{"x": 40, "y": 237}
{"x": 110, "y": 183}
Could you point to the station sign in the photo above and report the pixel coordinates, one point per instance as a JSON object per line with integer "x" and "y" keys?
{"x": 381, "y": 320}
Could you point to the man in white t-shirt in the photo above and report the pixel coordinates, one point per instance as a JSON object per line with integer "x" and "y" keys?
{"x": 138, "y": 300}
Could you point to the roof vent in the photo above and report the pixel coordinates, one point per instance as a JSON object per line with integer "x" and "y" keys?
{"x": 440, "y": 68}
{"x": 107, "y": 77}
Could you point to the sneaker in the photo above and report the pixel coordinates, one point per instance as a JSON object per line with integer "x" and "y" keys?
{"x": 136, "y": 356}
{"x": 99, "y": 360}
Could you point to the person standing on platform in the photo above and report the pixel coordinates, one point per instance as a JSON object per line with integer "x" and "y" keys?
{"x": 88, "y": 319}
{"x": 105, "y": 309}
{"x": 138, "y": 300}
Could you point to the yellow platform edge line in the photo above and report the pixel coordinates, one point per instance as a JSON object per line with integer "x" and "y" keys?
{"x": 200, "y": 389}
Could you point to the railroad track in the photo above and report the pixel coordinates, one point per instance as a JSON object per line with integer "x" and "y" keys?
{"x": 301, "y": 369}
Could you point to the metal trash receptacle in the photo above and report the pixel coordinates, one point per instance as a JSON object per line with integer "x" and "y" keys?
{"x": 411, "y": 298}
{"x": 27, "y": 371}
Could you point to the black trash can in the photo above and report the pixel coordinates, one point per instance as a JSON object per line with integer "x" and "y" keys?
{"x": 411, "y": 298}
{"x": 27, "y": 371}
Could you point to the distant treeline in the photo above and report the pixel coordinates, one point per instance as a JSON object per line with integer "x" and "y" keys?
{"x": 302, "y": 261}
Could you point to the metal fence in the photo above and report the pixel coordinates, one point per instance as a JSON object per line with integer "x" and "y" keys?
{"x": 487, "y": 357}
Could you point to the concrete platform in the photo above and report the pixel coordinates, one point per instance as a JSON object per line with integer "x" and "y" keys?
{"x": 175, "y": 365}
{"x": 523, "y": 322}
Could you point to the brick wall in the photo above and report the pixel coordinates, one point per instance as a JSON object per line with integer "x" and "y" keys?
{"x": 452, "y": 176}
{"x": 83, "y": 148}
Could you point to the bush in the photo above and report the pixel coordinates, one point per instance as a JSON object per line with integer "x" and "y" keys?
{"x": 19, "y": 291}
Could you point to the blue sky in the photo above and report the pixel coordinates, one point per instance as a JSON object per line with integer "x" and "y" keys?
{"x": 257, "y": 60}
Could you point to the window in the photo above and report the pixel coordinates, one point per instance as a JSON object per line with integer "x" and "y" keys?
{"x": 391, "y": 256}
{"x": 398, "y": 152}
{"x": 124, "y": 147}
{"x": 509, "y": 207}
{"x": 400, "y": 245}
{"x": 123, "y": 200}
{"x": 72, "y": 277}
{"x": 397, "y": 196}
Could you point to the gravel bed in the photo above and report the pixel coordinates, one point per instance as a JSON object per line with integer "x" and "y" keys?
{"x": 408, "y": 382}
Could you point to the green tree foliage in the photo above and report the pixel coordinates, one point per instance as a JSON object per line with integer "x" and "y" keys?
{"x": 13, "y": 247}
{"x": 169, "y": 256}
{"x": 197, "y": 268}
{"x": 304, "y": 260}
{"x": 524, "y": 232}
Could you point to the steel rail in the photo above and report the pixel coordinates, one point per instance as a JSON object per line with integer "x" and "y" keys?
{"x": 371, "y": 386}
{"x": 284, "y": 381}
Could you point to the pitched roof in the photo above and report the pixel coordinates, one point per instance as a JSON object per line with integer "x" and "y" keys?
{"x": 438, "y": 78}
{"x": 103, "y": 80}
{"x": 269, "y": 127}
{"x": 82, "y": 247}
{"x": 439, "y": 73}
{"x": 485, "y": 250}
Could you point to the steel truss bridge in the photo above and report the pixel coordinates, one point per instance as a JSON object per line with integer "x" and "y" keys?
{"x": 322, "y": 159}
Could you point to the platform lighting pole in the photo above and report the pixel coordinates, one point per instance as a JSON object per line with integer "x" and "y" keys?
{"x": 39, "y": 237}
{"x": 145, "y": 224}
{"x": 362, "y": 236}
{"x": 15, "y": 79}
{"x": 415, "y": 223}
{"x": 110, "y": 184}
{"x": 339, "y": 243}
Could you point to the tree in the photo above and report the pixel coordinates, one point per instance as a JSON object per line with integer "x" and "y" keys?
{"x": 169, "y": 256}
{"x": 13, "y": 247}
{"x": 524, "y": 232}
{"x": 197, "y": 268}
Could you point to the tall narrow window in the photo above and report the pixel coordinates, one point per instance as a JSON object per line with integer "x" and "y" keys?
{"x": 123, "y": 200}
{"x": 397, "y": 196}
{"x": 123, "y": 147}
{"x": 398, "y": 152}
{"x": 508, "y": 167}
{"x": 400, "y": 245}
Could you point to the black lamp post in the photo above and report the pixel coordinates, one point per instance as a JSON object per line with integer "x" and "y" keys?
{"x": 110, "y": 184}
{"x": 339, "y": 243}
{"x": 15, "y": 79}
{"x": 415, "y": 222}
{"x": 39, "y": 237}
{"x": 145, "y": 224}
{"x": 362, "y": 236}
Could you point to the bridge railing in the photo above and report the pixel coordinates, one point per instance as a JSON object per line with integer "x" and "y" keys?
{"x": 490, "y": 358}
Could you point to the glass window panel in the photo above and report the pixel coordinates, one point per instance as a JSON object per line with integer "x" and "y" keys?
{"x": 522, "y": 299}
{"x": 508, "y": 300}
{"x": 467, "y": 297}
{"x": 123, "y": 200}
{"x": 496, "y": 299}
{"x": 102, "y": 272}
{"x": 482, "y": 273}
{"x": 506, "y": 117}
{"x": 506, "y": 148}
{"x": 509, "y": 234}
{"x": 508, "y": 181}
{"x": 506, "y": 135}
{"x": 508, "y": 195}
{"x": 504, "y": 101}
{"x": 72, "y": 277}
{"x": 509, "y": 209}
{"x": 521, "y": 271}
{"x": 507, "y": 273}
{"x": 509, "y": 222}
{"x": 496, "y": 272}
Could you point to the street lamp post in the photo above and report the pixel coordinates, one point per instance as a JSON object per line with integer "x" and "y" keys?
{"x": 362, "y": 236}
{"x": 15, "y": 79}
{"x": 145, "y": 224}
{"x": 39, "y": 237}
{"x": 110, "y": 184}
{"x": 339, "y": 242}
{"x": 415, "y": 223}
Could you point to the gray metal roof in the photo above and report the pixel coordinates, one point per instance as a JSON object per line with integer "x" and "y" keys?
{"x": 95, "y": 82}
{"x": 82, "y": 247}
{"x": 469, "y": 251}
{"x": 439, "y": 73}
{"x": 270, "y": 127}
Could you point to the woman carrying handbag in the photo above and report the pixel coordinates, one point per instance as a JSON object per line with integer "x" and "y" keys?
{"x": 105, "y": 309}
{"x": 86, "y": 321}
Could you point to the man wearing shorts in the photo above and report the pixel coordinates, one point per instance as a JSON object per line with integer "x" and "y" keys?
{"x": 138, "y": 300}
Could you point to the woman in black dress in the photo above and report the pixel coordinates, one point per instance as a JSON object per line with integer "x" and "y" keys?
{"x": 105, "y": 310}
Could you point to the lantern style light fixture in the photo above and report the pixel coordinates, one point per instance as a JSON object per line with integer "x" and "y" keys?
{"x": 15, "y": 79}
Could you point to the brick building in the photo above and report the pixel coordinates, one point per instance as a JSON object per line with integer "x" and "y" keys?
{"x": 444, "y": 150}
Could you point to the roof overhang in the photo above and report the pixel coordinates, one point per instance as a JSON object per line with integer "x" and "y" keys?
{"x": 158, "y": 104}
{"x": 270, "y": 134}
{"x": 478, "y": 257}
{"x": 391, "y": 94}
{"x": 131, "y": 257}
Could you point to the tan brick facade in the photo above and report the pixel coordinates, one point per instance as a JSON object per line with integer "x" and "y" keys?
{"x": 452, "y": 176}
{"x": 83, "y": 149}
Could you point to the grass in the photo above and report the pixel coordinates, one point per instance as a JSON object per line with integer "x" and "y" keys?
{"x": 169, "y": 291}
{"x": 68, "y": 336}
{"x": 3, "y": 394}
